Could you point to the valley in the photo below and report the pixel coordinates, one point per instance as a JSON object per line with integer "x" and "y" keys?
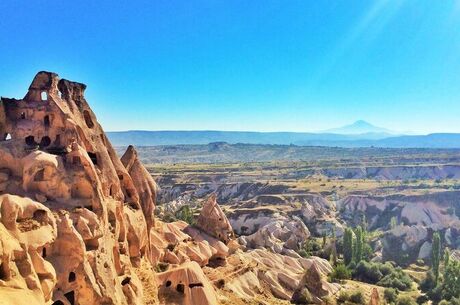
{"x": 401, "y": 197}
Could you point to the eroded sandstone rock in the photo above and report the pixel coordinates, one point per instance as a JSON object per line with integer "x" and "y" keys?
{"x": 213, "y": 220}
{"x": 72, "y": 220}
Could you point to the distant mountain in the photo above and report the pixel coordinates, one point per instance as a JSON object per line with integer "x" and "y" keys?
{"x": 153, "y": 138}
{"x": 360, "y": 127}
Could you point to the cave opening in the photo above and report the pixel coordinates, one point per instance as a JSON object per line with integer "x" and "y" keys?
{"x": 40, "y": 175}
{"x": 3, "y": 275}
{"x": 45, "y": 141}
{"x": 193, "y": 285}
{"x": 46, "y": 121}
{"x": 30, "y": 140}
{"x": 88, "y": 120}
{"x": 93, "y": 157}
{"x": 70, "y": 296}
{"x": 180, "y": 288}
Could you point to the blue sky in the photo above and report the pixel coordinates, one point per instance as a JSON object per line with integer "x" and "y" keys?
{"x": 244, "y": 65}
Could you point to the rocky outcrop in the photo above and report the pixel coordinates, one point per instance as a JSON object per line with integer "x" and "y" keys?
{"x": 375, "y": 298}
{"x": 394, "y": 172}
{"x": 186, "y": 285}
{"x": 213, "y": 221}
{"x": 414, "y": 218}
{"x": 405, "y": 244}
{"x": 78, "y": 227}
{"x": 431, "y": 210}
{"x": 252, "y": 271}
{"x": 279, "y": 236}
{"x": 143, "y": 182}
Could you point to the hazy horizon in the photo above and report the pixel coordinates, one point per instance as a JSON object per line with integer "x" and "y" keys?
{"x": 239, "y": 66}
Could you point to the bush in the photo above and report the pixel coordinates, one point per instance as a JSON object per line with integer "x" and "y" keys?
{"x": 185, "y": 213}
{"x": 357, "y": 298}
{"x": 405, "y": 300}
{"x": 435, "y": 294}
{"x": 304, "y": 297}
{"x": 390, "y": 295}
{"x": 368, "y": 272}
{"x": 428, "y": 282}
{"x": 343, "y": 297}
{"x": 340, "y": 273}
{"x": 396, "y": 279}
{"x": 422, "y": 299}
{"x": 304, "y": 253}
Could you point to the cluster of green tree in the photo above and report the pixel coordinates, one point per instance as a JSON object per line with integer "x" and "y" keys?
{"x": 355, "y": 297}
{"x": 385, "y": 275}
{"x": 355, "y": 246}
{"x": 442, "y": 283}
{"x": 356, "y": 264}
{"x": 185, "y": 213}
{"x": 312, "y": 247}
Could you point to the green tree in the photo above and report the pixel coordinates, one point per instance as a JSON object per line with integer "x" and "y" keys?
{"x": 446, "y": 257}
{"x": 339, "y": 273}
{"x": 390, "y": 295}
{"x": 436, "y": 255}
{"x": 185, "y": 213}
{"x": 405, "y": 300}
{"x": 451, "y": 284}
{"x": 348, "y": 246}
{"x": 359, "y": 244}
{"x": 393, "y": 222}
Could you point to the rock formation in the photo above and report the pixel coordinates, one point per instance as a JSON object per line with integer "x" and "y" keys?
{"x": 375, "y": 298}
{"x": 279, "y": 236}
{"x": 213, "y": 221}
{"x": 71, "y": 218}
{"x": 77, "y": 223}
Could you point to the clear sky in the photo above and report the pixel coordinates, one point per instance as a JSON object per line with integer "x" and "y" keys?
{"x": 244, "y": 65}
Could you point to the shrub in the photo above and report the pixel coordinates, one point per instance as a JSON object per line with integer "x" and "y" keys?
{"x": 405, "y": 300}
{"x": 396, "y": 279}
{"x": 428, "y": 282}
{"x": 435, "y": 294}
{"x": 422, "y": 299}
{"x": 343, "y": 297}
{"x": 304, "y": 253}
{"x": 451, "y": 284}
{"x": 304, "y": 297}
{"x": 340, "y": 272}
{"x": 357, "y": 298}
{"x": 390, "y": 295}
{"x": 185, "y": 213}
{"x": 368, "y": 272}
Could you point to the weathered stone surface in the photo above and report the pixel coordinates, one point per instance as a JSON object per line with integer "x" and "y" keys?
{"x": 72, "y": 221}
{"x": 213, "y": 221}
{"x": 186, "y": 285}
{"x": 279, "y": 236}
{"x": 375, "y": 298}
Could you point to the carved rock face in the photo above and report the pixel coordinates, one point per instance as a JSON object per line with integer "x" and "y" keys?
{"x": 213, "y": 221}
{"x": 71, "y": 219}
